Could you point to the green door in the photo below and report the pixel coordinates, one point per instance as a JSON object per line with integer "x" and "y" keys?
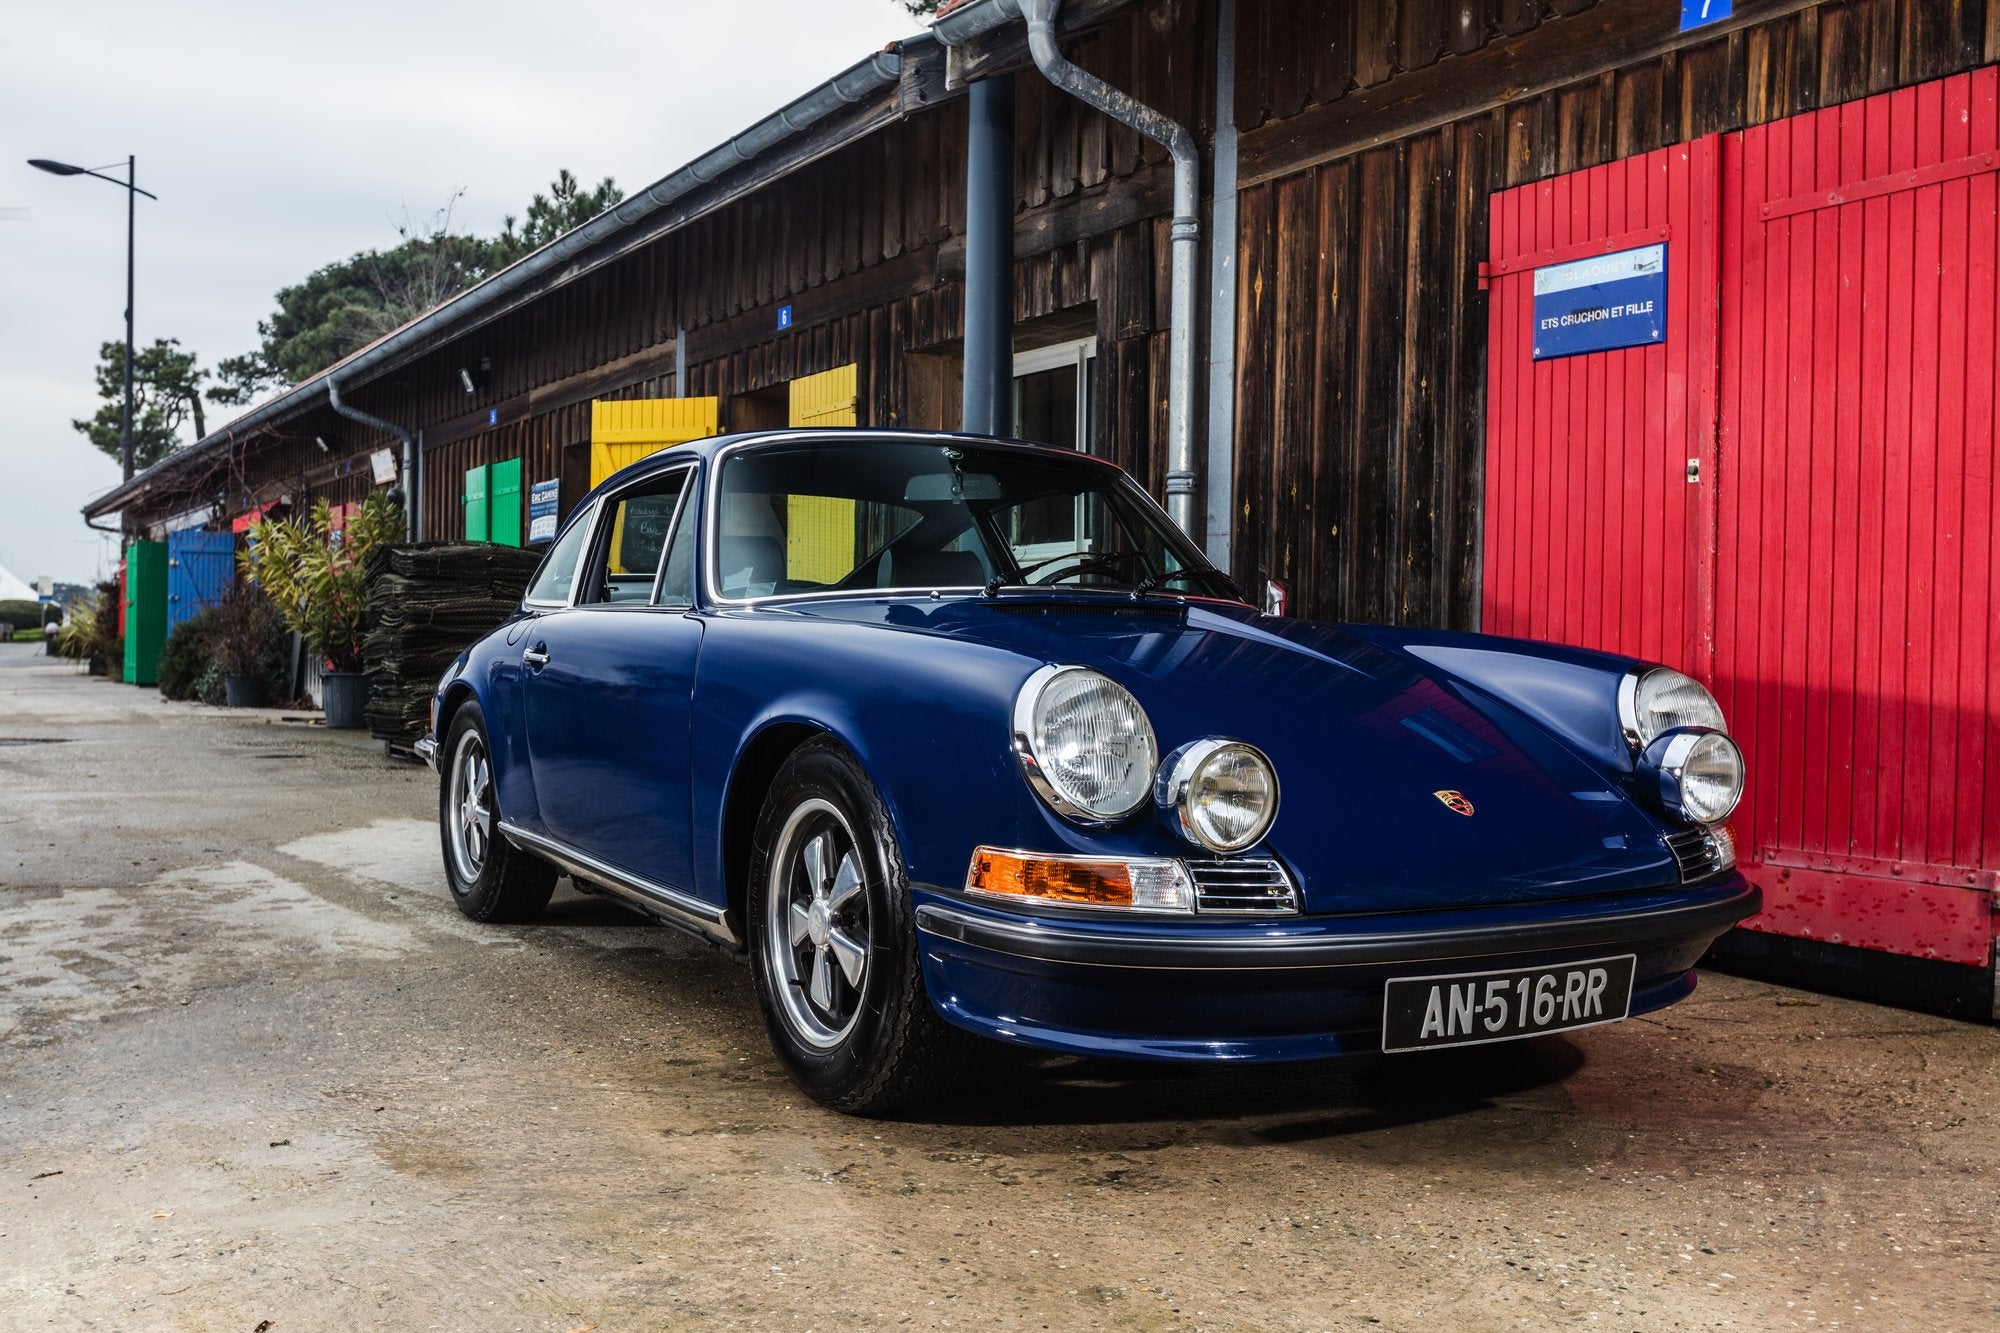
{"x": 145, "y": 610}
{"x": 505, "y": 505}
{"x": 477, "y": 505}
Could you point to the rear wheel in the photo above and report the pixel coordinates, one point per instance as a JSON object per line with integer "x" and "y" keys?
{"x": 491, "y": 879}
{"x": 833, "y": 943}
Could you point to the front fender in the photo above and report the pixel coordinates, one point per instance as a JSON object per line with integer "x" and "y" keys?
{"x": 927, "y": 720}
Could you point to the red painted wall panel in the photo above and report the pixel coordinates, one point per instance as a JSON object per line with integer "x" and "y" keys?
{"x": 1831, "y": 360}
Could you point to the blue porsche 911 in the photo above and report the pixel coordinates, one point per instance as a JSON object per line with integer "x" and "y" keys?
{"x": 959, "y": 738}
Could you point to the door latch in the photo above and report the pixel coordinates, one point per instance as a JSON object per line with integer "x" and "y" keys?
{"x": 1694, "y": 471}
{"x": 536, "y": 656}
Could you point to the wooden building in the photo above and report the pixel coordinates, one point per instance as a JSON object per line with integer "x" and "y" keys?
{"x": 1376, "y": 437}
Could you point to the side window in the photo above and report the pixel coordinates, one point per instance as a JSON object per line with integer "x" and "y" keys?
{"x": 677, "y": 583}
{"x": 627, "y": 560}
{"x": 558, "y": 572}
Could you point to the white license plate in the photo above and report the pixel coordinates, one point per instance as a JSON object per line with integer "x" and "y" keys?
{"x": 1470, "y": 1008}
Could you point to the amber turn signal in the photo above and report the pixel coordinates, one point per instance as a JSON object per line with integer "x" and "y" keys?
{"x": 1147, "y": 885}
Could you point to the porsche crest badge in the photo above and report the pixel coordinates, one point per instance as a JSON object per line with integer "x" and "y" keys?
{"x": 1454, "y": 801}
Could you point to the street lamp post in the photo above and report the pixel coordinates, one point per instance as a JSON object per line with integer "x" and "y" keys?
{"x": 132, "y": 192}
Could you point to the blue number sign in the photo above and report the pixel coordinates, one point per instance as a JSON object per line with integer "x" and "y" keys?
{"x": 1594, "y": 305}
{"x": 1696, "y": 13}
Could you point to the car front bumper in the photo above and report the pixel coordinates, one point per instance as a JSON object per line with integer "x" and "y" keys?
{"x": 1296, "y": 988}
{"x": 427, "y": 750}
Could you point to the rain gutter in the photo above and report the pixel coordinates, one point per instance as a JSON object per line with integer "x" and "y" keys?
{"x": 853, "y": 85}
{"x": 986, "y": 16}
{"x": 390, "y": 427}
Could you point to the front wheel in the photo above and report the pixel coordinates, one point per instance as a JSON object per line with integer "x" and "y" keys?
{"x": 833, "y": 943}
{"x": 491, "y": 879}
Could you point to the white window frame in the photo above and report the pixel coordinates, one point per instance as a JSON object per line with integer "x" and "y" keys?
{"x": 1077, "y": 354}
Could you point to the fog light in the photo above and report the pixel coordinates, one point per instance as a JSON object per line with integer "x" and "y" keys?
{"x": 1700, "y": 773}
{"x": 1141, "y": 884}
{"x": 1219, "y": 794}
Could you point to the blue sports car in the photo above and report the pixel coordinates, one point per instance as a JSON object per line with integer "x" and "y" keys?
{"x": 960, "y": 738}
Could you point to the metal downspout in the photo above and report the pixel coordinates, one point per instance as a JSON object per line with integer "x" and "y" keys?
{"x": 1122, "y": 107}
{"x": 1221, "y": 507}
{"x": 409, "y": 447}
{"x": 989, "y": 259}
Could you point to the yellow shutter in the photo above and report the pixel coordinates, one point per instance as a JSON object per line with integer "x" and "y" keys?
{"x": 826, "y": 399}
{"x": 819, "y": 532}
{"x": 626, "y": 430}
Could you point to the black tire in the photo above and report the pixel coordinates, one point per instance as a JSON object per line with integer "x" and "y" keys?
{"x": 491, "y": 879}
{"x": 876, "y": 1045}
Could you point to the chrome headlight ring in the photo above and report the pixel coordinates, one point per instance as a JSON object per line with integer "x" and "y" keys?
{"x": 1189, "y": 778}
{"x": 1050, "y": 766}
{"x": 1700, "y": 771}
{"x": 1653, "y": 700}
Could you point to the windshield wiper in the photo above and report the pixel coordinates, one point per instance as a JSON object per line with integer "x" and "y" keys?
{"x": 1154, "y": 582}
{"x": 1090, "y": 564}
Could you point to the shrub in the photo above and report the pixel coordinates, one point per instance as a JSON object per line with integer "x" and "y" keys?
{"x": 188, "y": 653}
{"x": 23, "y": 614}
{"x": 312, "y": 570}
{"x": 243, "y": 636}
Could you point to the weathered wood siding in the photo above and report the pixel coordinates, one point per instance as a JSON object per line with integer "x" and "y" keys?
{"x": 1374, "y": 132}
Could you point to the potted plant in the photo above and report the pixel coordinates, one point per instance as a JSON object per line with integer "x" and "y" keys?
{"x": 244, "y": 623}
{"x": 312, "y": 572}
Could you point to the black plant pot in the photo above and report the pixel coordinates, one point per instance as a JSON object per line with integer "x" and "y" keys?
{"x": 244, "y": 691}
{"x": 345, "y": 697}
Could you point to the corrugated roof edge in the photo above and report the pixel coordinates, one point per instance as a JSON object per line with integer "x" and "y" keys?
{"x": 859, "y": 81}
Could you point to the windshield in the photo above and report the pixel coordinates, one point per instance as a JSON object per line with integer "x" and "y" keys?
{"x": 922, "y": 516}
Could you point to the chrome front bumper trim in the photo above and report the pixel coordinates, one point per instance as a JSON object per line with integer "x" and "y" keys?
{"x": 427, "y": 750}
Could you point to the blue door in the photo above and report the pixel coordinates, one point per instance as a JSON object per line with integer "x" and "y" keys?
{"x": 201, "y": 568}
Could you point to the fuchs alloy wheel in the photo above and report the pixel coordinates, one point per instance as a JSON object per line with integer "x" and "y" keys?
{"x": 833, "y": 943}
{"x": 491, "y": 879}
{"x": 816, "y": 915}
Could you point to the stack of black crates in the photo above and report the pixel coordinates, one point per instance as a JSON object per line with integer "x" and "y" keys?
{"x": 426, "y": 603}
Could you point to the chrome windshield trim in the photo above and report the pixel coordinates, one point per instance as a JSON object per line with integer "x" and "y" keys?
{"x": 711, "y": 506}
{"x": 681, "y": 909}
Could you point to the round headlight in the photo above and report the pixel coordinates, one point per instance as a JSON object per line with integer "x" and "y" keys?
{"x": 1222, "y": 794}
{"x": 1084, "y": 743}
{"x": 1701, "y": 775}
{"x": 1661, "y": 700}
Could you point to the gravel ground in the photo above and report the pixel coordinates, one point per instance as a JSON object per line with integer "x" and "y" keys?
{"x": 254, "y": 1067}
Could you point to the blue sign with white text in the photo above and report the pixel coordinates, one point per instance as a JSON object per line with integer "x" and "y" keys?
{"x": 1602, "y": 303}
{"x": 1695, "y": 13}
{"x": 784, "y": 317}
{"x": 542, "y": 510}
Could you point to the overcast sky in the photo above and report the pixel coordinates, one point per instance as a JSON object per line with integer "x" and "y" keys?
{"x": 281, "y": 137}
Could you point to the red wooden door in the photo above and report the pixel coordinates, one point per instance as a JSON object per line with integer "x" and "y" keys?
{"x": 1857, "y": 636}
{"x": 1591, "y": 524}
{"x": 1792, "y": 498}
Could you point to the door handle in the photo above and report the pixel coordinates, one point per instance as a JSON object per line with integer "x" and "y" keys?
{"x": 537, "y": 656}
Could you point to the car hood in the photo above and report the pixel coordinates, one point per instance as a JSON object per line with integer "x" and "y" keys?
{"x": 1401, "y": 785}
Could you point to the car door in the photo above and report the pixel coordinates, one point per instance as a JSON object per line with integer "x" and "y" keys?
{"x": 607, "y": 689}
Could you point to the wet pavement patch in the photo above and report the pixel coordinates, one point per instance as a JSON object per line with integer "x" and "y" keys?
{"x": 33, "y": 740}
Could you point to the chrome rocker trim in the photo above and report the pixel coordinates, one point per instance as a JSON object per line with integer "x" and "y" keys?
{"x": 673, "y": 906}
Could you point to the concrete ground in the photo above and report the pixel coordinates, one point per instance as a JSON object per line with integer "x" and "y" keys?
{"x": 254, "y": 1067}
